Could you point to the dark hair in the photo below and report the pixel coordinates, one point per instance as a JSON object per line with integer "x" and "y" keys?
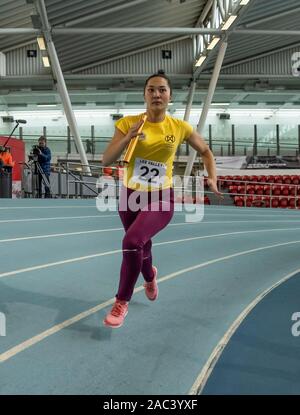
{"x": 42, "y": 138}
{"x": 161, "y": 74}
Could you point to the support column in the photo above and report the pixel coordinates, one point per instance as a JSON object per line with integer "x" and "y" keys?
{"x": 208, "y": 99}
{"x": 68, "y": 107}
{"x": 189, "y": 106}
{"x": 190, "y": 101}
{"x": 62, "y": 89}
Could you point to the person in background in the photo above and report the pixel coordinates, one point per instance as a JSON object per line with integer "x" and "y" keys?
{"x": 44, "y": 159}
{"x": 5, "y": 157}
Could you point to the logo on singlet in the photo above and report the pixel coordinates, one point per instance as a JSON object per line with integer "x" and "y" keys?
{"x": 170, "y": 139}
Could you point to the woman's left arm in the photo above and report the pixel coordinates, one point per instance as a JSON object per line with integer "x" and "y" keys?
{"x": 198, "y": 144}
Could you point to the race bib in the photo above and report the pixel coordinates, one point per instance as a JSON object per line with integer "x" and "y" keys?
{"x": 149, "y": 172}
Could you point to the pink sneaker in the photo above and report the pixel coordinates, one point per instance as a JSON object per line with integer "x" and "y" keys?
{"x": 151, "y": 288}
{"x": 117, "y": 314}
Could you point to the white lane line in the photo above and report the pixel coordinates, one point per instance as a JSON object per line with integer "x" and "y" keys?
{"x": 41, "y": 336}
{"x": 56, "y": 218}
{"x": 250, "y": 209}
{"x": 209, "y": 366}
{"x": 250, "y": 216}
{"x": 83, "y": 258}
{"x": 53, "y": 264}
{"x": 243, "y": 212}
{"x": 57, "y": 235}
{"x": 49, "y": 207}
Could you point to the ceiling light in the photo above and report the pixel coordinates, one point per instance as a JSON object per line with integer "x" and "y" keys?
{"x": 200, "y": 61}
{"x": 244, "y": 2}
{"x": 46, "y": 61}
{"x": 41, "y": 42}
{"x": 229, "y": 22}
{"x": 46, "y": 105}
{"x": 213, "y": 43}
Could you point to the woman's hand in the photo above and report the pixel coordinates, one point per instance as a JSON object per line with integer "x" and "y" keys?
{"x": 212, "y": 183}
{"x": 134, "y": 131}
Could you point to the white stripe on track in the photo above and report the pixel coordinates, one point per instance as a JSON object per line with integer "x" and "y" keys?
{"x": 55, "y": 218}
{"x": 56, "y": 235}
{"x": 49, "y": 207}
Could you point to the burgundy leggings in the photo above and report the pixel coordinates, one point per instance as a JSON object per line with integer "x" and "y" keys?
{"x": 155, "y": 211}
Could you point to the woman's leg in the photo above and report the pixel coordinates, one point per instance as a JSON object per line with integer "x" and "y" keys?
{"x": 147, "y": 269}
{"x": 147, "y": 223}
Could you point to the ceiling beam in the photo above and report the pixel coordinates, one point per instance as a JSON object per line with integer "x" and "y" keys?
{"x": 19, "y": 31}
{"x": 124, "y": 30}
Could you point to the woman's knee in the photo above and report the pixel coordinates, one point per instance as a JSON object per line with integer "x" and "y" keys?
{"x": 132, "y": 242}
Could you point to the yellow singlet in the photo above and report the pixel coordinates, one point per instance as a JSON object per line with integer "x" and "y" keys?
{"x": 150, "y": 167}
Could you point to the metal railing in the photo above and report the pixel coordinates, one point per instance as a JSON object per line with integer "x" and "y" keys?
{"x": 257, "y": 142}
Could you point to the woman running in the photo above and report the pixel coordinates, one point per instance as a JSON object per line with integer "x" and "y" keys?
{"x": 147, "y": 197}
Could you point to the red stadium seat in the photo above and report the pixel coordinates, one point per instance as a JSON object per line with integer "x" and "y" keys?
{"x": 270, "y": 179}
{"x": 236, "y": 179}
{"x": 262, "y": 179}
{"x": 108, "y": 171}
{"x": 227, "y": 181}
{"x": 267, "y": 189}
{"x": 284, "y": 190}
{"x": 291, "y": 202}
{"x": 250, "y": 189}
{"x": 238, "y": 201}
{"x": 276, "y": 190}
{"x": 295, "y": 179}
{"x": 259, "y": 190}
{"x": 257, "y": 201}
{"x": 241, "y": 189}
{"x": 253, "y": 178}
{"x": 249, "y": 200}
{"x": 286, "y": 179}
{"x": 293, "y": 190}
{"x": 206, "y": 200}
{"x": 266, "y": 201}
{"x": 233, "y": 189}
{"x": 283, "y": 202}
{"x": 275, "y": 202}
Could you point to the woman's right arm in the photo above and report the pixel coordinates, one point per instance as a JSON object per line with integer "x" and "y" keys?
{"x": 118, "y": 143}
